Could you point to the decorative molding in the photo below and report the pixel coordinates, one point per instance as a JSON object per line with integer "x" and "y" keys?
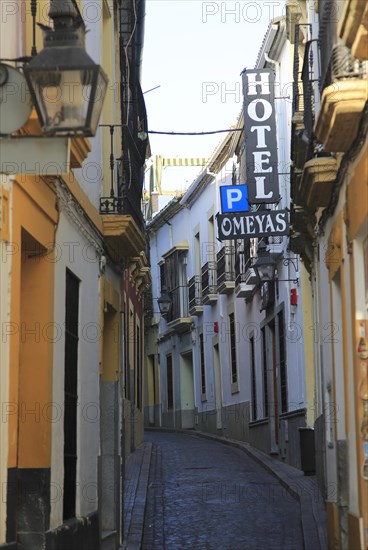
{"x": 139, "y": 273}
{"x": 123, "y": 237}
{"x": 347, "y": 161}
{"x": 318, "y": 177}
{"x": 79, "y": 151}
{"x": 73, "y": 210}
{"x": 353, "y": 27}
{"x": 184, "y": 245}
{"x": 293, "y": 15}
{"x": 341, "y": 109}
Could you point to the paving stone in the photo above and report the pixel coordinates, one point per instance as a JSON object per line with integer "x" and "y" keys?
{"x": 203, "y": 494}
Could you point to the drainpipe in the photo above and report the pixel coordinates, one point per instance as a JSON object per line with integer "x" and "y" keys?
{"x": 269, "y": 60}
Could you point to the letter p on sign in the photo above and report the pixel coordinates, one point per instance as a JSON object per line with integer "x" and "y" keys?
{"x": 234, "y": 198}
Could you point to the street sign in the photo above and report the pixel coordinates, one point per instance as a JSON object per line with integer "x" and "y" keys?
{"x": 264, "y": 223}
{"x": 234, "y": 198}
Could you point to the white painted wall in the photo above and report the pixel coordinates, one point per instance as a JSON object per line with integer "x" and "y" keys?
{"x": 11, "y": 34}
{"x": 184, "y": 225}
{"x": 80, "y": 258}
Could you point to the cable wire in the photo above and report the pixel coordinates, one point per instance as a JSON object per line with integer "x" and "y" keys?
{"x": 196, "y": 133}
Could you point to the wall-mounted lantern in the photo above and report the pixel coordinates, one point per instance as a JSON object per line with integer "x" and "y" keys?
{"x": 164, "y": 302}
{"x": 67, "y": 86}
{"x": 265, "y": 265}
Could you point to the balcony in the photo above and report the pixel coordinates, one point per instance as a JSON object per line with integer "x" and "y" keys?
{"x": 123, "y": 236}
{"x": 246, "y": 281}
{"x": 195, "y": 295}
{"x": 305, "y": 89}
{"x": 179, "y": 319}
{"x": 209, "y": 289}
{"x": 275, "y": 246}
{"x": 343, "y": 100}
{"x": 353, "y": 28}
{"x": 243, "y": 288}
{"x": 318, "y": 177}
{"x": 226, "y": 270}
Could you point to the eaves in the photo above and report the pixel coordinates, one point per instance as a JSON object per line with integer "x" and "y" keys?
{"x": 216, "y": 162}
{"x": 273, "y": 42}
{"x": 165, "y": 214}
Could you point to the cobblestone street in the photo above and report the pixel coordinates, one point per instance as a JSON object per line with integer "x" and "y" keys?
{"x": 203, "y": 494}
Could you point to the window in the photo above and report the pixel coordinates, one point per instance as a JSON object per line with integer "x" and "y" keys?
{"x": 253, "y": 378}
{"x": 264, "y": 369}
{"x": 197, "y": 252}
{"x": 283, "y": 372}
{"x": 162, "y": 276}
{"x": 70, "y": 393}
{"x": 174, "y": 277}
{"x": 139, "y": 368}
{"x": 242, "y": 259}
{"x": 225, "y": 265}
{"x": 169, "y": 382}
{"x": 203, "y": 366}
{"x": 208, "y": 270}
{"x": 195, "y": 283}
{"x": 234, "y": 371}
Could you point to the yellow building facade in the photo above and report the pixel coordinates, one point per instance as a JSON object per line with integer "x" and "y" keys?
{"x": 72, "y": 270}
{"x": 330, "y": 223}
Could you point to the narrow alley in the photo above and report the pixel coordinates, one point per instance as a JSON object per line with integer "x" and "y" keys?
{"x": 203, "y": 494}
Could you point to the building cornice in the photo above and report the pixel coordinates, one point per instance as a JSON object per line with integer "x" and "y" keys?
{"x": 76, "y": 214}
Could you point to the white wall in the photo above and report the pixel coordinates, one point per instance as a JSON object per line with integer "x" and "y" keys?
{"x": 80, "y": 260}
{"x": 184, "y": 225}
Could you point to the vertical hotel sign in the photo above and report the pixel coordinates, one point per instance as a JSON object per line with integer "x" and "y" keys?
{"x": 260, "y": 136}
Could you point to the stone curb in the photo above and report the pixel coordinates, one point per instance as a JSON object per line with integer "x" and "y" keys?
{"x": 133, "y": 540}
{"x": 293, "y": 480}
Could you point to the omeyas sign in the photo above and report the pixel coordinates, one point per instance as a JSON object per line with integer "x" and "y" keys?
{"x": 264, "y": 223}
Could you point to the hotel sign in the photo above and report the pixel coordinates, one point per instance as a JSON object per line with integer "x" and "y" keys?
{"x": 264, "y": 223}
{"x": 260, "y": 136}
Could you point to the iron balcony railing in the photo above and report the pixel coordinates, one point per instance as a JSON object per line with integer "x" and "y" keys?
{"x": 129, "y": 196}
{"x": 242, "y": 275}
{"x": 226, "y": 265}
{"x": 209, "y": 277}
{"x": 344, "y": 65}
{"x": 111, "y": 205}
{"x": 298, "y": 96}
{"x": 305, "y": 88}
{"x": 242, "y": 255}
{"x": 195, "y": 292}
{"x": 328, "y": 21}
{"x": 336, "y": 61}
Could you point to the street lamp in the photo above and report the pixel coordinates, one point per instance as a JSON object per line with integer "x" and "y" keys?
{"x": 67, "y": 86}
{"x": 265, "y": 266}
{"x": 164, "y": 302}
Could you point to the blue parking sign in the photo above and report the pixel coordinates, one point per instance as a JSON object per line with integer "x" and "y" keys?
{"x": 234, "y": 198}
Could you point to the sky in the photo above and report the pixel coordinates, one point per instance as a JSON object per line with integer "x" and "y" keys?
{"x": 195, "y": 51}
